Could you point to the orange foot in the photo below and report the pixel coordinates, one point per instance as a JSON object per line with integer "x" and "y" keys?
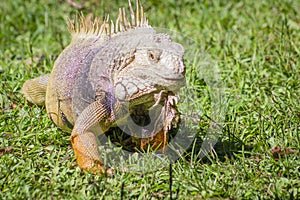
{"x": 87, "y": 153}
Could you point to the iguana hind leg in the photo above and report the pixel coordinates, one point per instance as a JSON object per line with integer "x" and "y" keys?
{"x": 84, "y": 141}
{"x": 34, "y": 90}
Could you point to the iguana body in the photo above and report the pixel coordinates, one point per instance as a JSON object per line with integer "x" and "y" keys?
{"x": 108, "y": 75}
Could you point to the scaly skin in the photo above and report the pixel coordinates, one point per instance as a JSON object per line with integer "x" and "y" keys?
{"x": 107, "y": 76}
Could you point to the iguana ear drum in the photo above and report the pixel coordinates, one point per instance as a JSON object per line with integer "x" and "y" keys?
{"x": 120, "y": 92}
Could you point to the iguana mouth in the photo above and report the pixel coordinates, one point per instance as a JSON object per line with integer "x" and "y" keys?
{"x": 173, "y": 84}
{"x": 173, "y": 77}
{"x": 180, "y": 79}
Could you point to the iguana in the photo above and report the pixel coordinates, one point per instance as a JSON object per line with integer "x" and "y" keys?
{"x": 112, "y": 73}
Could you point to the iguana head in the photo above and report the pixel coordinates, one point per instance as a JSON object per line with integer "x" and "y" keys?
{"x": 154, "y": 63}
{"x": 138, "y": 61}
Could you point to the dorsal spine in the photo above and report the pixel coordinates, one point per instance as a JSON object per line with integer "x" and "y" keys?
{"x": 86, "y": 25}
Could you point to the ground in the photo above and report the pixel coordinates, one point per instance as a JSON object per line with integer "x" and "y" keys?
{"x": 256, "y": 46}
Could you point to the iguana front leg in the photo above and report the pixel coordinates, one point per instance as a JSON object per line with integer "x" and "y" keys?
{"x": 169, "y": 117}
{"x": 34, "y": 90}
{"x": 84, "y": 141}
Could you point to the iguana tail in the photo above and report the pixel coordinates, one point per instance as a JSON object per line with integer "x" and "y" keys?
{"x": 34, "y": 90}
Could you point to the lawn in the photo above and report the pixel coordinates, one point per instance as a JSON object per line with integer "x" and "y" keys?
{"x": 249, "y": 85}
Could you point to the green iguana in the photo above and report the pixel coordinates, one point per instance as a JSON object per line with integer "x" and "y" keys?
{"x": 111, "y": 73}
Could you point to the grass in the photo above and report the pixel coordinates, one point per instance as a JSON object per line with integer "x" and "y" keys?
{"x": 256, "y": 47}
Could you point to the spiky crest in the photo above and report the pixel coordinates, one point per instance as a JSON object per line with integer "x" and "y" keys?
{"x": 83, "y": 26}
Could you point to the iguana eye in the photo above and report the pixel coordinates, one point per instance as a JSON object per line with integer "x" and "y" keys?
{"x": 154, "y": 56}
